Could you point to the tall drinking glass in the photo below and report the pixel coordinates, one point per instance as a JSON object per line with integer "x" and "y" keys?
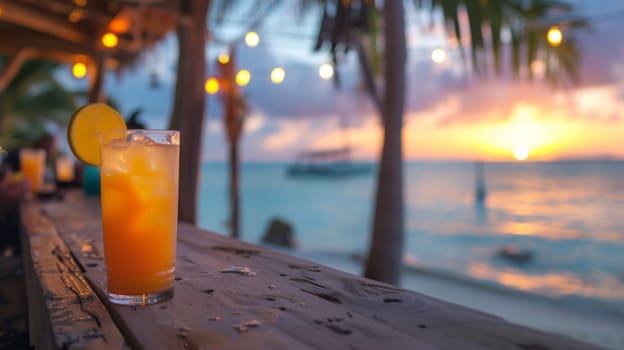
{"x": 32, "y": 165}
{"x": 64, "y": 169}
{"x": 139, "y": 191}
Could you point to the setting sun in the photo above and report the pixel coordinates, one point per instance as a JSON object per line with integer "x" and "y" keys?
{"x": 521, "y": 153}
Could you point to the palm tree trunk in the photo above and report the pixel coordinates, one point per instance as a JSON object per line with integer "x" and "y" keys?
{"x": 189, "y": 101}
{"x": 384, "y": 258}
{"x": 234, "y": 191}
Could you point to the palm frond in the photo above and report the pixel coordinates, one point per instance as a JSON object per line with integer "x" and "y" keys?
{"x": 33, "y": 98}
{"x": 527, "y": 21}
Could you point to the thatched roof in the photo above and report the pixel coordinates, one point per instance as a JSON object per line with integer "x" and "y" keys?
{"x": 59, "y": 30}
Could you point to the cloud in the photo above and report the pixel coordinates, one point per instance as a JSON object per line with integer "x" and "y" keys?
{"x": 253, "y": 123}
{"x": 468, "y": 99}
{"x": 486, "y": 102}
{"x": 213, "y": 126}
{"x": 597, "y": 104}
{"x": 288, "y": 134}
{"x": 602, "y": 47}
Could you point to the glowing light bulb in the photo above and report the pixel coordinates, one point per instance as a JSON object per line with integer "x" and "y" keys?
{"x": 79, "y": 70}
{"x": 554, "y": 36}
{"x": 223, "y": 58}
{"x": 277, "y": 75}
{"x": 119, "y": 25}
{"x": 326, "y": 71}
{"x": 438, "y": 55}
{"x": 212, "y": 86}
{"x": 75, "y": 15}
{"x": 252, "y": 39}
{"x": 110, "y": 40}
{"x": 243, "y": 77}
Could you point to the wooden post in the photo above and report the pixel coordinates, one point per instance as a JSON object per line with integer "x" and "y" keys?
{"x": 30, "y": 17}
{"x": 96, "y": 93}
{"x": 189, "y": 101}
{"x": 13, "y": 65}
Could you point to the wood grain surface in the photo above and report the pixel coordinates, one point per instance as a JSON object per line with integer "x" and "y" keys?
{"x": 64, "y": 312}
{"x": 274, "y": 301}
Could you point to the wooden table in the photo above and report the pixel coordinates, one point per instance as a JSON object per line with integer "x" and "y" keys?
{"x": 285, "y": 303}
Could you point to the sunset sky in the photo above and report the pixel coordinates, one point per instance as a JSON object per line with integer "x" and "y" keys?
{"x": 450, "y": 114}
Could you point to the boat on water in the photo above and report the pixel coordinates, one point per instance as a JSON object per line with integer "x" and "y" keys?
{"x": 329, "y": 163}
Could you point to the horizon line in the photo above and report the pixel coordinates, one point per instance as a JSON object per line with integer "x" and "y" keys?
{"x": 364, "y": 161}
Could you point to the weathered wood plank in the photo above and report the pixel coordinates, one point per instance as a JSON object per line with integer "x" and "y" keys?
{"x": 284, "y": 302}
{"x": 13, "y": 303}
{"x": 64, "y": 312}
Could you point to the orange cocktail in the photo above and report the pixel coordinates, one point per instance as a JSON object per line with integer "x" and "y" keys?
{"x": 139, "y": 178}
{"x": 32, "y": 165}
{"x": 64, "y": 169}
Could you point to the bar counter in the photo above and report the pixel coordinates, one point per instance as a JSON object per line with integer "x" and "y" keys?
{"x": 233, "y": 295}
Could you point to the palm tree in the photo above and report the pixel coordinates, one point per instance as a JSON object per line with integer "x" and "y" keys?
{"x": 234, "y": 111}
{"x": 528, "y": 22}
{"x": 33, "y": 98}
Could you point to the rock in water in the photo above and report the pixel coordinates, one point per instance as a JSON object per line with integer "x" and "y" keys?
{"x": 279, "y": 233}
{"x": 515, "y": 254}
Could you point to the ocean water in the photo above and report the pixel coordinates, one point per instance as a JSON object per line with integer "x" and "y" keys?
{"x": 569, "y": 215}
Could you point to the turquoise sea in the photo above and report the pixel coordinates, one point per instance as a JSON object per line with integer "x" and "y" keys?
{"x": 568, "y": 215}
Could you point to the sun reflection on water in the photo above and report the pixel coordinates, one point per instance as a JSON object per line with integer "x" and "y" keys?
{"x": 550, "y": 283}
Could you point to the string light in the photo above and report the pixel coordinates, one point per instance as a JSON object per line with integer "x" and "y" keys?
{"x": 243, "y": 77}
{"x": 212, "y": 86}
{"x": 119, "y": 25}
{"x": 326, "y": 71}
{"x": 252, "y": 39}
{"x": 110, "y": 40}
{"x": 277, "y": 75}
{"x": 554, "y": 36}
{"x": 438, "y": 55}
{"x": 75, "y": 15}
{"x": 79, "y": 70}
{"x": 224, "y": 58}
